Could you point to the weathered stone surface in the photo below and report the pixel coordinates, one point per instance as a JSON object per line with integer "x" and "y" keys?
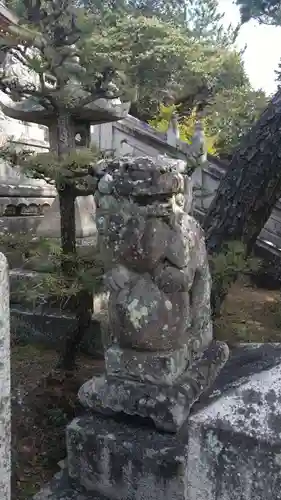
{"x": 105, "y": 185}
{"x": 157, "y": 257}
{"x": 145, "y": 365}
{"x": 244, "y": 361}
{"x": 47, "y": 327}
{"x": 229, "y": 449}
{"x": 234, "y": 449}
{"x": 124, "y": 461}
{"x": 168, "y": 406}
{"x": 84, "y": 219}
{"x": 60, "y": 488}
{"x": 5, "y": 426}
{"x": 159, "y": 285}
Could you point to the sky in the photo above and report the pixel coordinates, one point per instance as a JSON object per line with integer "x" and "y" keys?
{"x": 263, "y": 51}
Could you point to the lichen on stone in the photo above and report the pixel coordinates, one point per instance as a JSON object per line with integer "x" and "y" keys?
{"x": 159, "y": 292}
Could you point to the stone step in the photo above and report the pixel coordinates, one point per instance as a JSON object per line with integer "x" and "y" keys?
{"x": 59, "y": 488}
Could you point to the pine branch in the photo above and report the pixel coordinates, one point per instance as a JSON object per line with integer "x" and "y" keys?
{"x": 12, "y": 84}
{"x": 14, "y": 87}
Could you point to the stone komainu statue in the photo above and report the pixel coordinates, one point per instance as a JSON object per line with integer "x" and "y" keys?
{"x": 161, "y": 355}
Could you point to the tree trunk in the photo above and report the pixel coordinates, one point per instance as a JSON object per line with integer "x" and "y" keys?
{"x": 251, "y": 186}
{"x": 62, "y": 134}
{"x": 74, "y": 337}
{"x": 67, "y": 220}
{"x": 62, "y": 140}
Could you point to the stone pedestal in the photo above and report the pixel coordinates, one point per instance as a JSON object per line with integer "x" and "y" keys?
{"x": 234, "y": 449}
{"x": 229, "y": 448}
{"x": 167, "y": 405}
{"x": 125, "y": 460}
{"x": 61, "y": 488}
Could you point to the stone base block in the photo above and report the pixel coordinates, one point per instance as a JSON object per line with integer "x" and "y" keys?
{"x": 234, "y": 450}
{"x": 229, "y": 449}
{"x": 126, "y": 462}
{"x": 60, "y": 488}
{"x": 168, "y": 406}
{"x": 160, "y": 367}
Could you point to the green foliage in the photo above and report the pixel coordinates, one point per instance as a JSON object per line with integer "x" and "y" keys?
{"x": 226, "y": 267}
{"x": 200, "y": 18}
{"x": 228, "y": 124}
{"x": 46, "y": 258}
{"x": 165, "y": 48}
{"x": 196, "y": 52}
{"x": 159, "y": 58}
{"x": 16, "y": 247}
{"x": 165, "y": 58}
{"x": 186, "y": 126}
{"x": 166, "y": 10}
{"x": 223, "y": 127}
{"x": 264, "y": 11}
{"x": 57, "y": 32}
{"x": 76, "y": 168}
{"x": 57, "y": 417}
{"x": 205, "y": 21}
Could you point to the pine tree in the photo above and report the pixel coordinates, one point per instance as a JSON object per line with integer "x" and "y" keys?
{"x": 264, "y": 11}
{"x": 205, "y": 22}
{"x": 53, "y": 80}
{"x": 249, "y": 190}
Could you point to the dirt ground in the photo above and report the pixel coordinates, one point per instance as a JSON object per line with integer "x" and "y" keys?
{"x": 44, "y": 400}
{"x": 250, "y": 315}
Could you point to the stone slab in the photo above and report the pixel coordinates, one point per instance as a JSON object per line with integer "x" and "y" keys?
{"x": 48, "y": 328}
{"x": 126, "y": 460}
{"x": 167, "y": 406}
{"x": 244, "y": 361}
{"x": 229, "y": 449}
{"x": 234, "y": 449}
{"x": 84, "y": 219}
{"x": 20, "y": 225}
{"x": 60, "y": 488}
{"x": 160, "y": 367}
